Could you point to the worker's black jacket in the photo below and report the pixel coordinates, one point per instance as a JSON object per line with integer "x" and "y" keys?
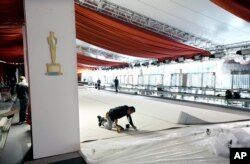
{"x": 22, "y": 90}
{"x": 119, "y": 112}
{"x": 116, "y": 82}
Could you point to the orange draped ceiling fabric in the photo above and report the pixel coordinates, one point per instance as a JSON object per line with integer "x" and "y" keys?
{"x": 240, "y": 8}
{"x": 118, "y": 36}
{"x": 82, "y": 59}
{"x": 81, "y": 68}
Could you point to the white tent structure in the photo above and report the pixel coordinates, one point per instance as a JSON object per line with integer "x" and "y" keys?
{"x": 198, "y": 23}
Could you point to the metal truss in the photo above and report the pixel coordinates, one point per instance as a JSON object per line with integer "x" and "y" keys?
{"x": 142, "y": 21}
{"x": 96, "y": 52}
{"x": 232, "y": 48}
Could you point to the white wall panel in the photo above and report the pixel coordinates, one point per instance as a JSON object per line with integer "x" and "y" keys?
{"x": 54, "y": 99}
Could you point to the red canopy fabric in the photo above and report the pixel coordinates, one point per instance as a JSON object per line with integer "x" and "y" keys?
{"x": 93, "y": 28}
{"x": 11, "y": 44}
{"x": 11, "y": 12}
{"x": 240, "y": 8}
{"x": 97, "y": 62}
{"x": 11, "y": 22}
{"x": 117, "y": 36}
{"x": 81, "y": 65}
{"x": 10, "y": 36}
{"x": 81, "y": 69}
{"x": 12, "y": 54}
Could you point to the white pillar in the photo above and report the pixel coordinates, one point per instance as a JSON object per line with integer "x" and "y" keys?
{"x": 25, "y": 58}
{"x": 54, "y": 99}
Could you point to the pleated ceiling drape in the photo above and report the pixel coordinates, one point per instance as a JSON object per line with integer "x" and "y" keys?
{"x": 93, "y": 28}
{"x": 118, "y": 36}
{"x": 11, "y": 44}
{"x": 11, "y": 12}
{"x": 82, "y": 59}
{"x": 11, "y": 22}
{"x": 240, "y": 8}
{"x": 81, "y": 68}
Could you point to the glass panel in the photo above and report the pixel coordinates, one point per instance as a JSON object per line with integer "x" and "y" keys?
{"x": 130, "y": 79}
{"x": 176, "y": 79}
{"x": 208, "y": 80}
{"x": 241, "y": 81}
{"x": 140, "y": 80}
{"x": 152, "y": 80}
{"x": 145, "y": 79}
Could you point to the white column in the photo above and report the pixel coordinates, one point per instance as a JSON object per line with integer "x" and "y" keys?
{"x": 25, "y": 58}
{"x": 54, "y": 99}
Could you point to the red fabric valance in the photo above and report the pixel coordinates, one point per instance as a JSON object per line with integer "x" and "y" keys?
{"x": 117, "y": 36}
{"x": 82, "y": 59}
{"x": 11, "y": 22}
{"x": 11, "y": 36}
{"x": 240, "y": 8}
{"x": 81, "y": 65}
{"x": 11, "y": 13}
{"x": 12, "y": 54}
{"x": 11, "y": 44}
{"x": 81, "y": 69}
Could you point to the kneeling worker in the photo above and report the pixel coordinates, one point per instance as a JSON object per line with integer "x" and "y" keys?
{"x": 114, "y": 114}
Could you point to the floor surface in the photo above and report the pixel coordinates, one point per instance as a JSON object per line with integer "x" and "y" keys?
{"x": 151, "y": 114}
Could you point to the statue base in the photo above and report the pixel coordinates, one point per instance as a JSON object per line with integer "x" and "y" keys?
{"x": 53, "y": 69}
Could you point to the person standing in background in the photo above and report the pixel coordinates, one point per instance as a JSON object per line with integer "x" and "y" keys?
{"x": 98, "y": 84}
{"x": 116, "y": 84}
{"x": 22, "y": 90}
{"x": 12, "y": 85}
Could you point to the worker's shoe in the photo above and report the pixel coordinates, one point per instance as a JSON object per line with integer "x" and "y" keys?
{"x": 101, "y": 120}
{"x": 119, "y": 128}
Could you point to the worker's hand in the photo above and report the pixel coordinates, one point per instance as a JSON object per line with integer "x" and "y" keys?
{"x": 134, "y": 128}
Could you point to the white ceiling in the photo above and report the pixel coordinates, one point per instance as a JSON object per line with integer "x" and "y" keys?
{"x": 201, "y": 18}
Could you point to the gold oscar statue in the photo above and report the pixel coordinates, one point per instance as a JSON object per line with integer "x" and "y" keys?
{"x": 53, "y": 68}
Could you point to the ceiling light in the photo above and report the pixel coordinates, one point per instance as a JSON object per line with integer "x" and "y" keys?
{"x": 137, "y": 65}
{"x": 167, "y": 61}
{"x": 197, "y": 57}
{"x": 243, "y": 52}
{"x": 145, "y": 64}
{"x": 180, "y": 59}
{"x": 217, "y": 55}
{"x": 154, "y": 63}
